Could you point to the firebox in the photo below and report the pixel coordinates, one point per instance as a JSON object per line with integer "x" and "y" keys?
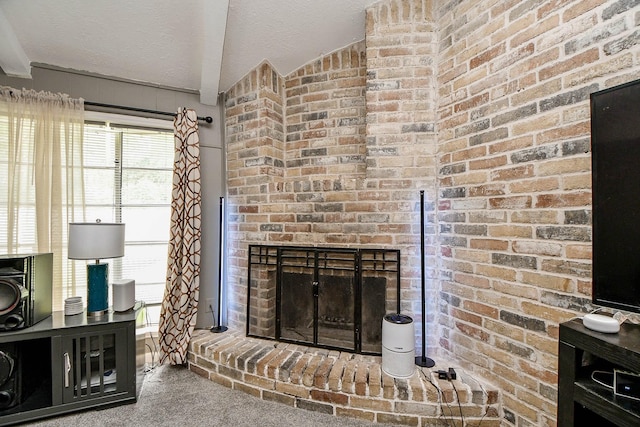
{"x": 333, "y": 298}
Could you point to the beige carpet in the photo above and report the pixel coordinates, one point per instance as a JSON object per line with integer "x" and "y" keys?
{"x": 175, "y": 396}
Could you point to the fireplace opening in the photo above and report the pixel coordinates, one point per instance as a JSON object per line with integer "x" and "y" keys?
{"x": 326, "y": 297}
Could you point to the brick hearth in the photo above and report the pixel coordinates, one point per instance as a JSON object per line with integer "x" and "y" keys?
{"x": 341, "y": 383}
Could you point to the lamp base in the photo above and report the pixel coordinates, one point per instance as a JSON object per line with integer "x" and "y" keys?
{"x": 424, "y": 362}
{"x": 218, "y": 329}
{"x": 97, "y": 289}
{"x": 97, "y": 314}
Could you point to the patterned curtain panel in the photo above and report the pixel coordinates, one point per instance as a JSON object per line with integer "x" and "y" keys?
{"x": 180, "y": 302}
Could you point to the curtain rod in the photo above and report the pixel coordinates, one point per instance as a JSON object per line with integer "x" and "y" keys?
{"x": 207, "y": 119}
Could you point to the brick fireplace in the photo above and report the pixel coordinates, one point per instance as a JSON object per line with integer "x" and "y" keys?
{"x": 484, "y": 105}
{"x": 309, "y": 164}
{"x": 332, "y": 298}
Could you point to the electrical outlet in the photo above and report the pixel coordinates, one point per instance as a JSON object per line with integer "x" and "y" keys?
{"x": 209, "y": 302}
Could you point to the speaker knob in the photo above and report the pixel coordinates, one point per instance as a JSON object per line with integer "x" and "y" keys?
{"x": 13, "y": 321}
{"x": 6, "y": 398}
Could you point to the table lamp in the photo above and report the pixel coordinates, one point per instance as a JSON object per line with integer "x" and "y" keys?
{"x": 97, "y": 240}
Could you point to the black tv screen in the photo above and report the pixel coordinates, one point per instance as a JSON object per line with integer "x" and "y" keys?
{"x": 615, "y": 154}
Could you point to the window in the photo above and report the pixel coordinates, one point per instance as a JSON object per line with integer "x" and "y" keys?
{"x": 128, "y": 172}
{"x": 128, "y": 178}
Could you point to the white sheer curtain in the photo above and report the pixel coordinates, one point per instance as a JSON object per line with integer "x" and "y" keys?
{"x": 42, "y": 177}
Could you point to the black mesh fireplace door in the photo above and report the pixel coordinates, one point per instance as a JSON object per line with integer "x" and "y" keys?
{"x": 326, "y": 297}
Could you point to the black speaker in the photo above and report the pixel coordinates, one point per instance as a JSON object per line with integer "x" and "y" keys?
{"x": 10, "y": 376}
{"x": 25, "y": 290}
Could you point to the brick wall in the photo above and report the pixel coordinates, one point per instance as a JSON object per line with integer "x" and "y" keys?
{"x": 514, "y": 79}
{"x": 401, "y": 142}
{"x": 255, "y": 173}
{"x": 484, "y": 105}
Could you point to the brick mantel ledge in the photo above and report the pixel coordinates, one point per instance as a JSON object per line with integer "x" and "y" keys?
{"x": 340, "y": 383}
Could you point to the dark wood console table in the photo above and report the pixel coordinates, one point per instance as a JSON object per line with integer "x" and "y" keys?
{"x": 583, "y": 401}
{"x": 69, "y": 363}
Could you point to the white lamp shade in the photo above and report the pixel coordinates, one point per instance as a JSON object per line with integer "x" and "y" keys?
{"x": 95, "y": 240}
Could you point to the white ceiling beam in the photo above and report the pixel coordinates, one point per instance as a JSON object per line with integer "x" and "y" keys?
{"x": 13, "y": 60}
{"x": 215, "y": 25}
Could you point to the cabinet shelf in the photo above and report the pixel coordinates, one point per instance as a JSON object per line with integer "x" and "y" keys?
{"x": 108, "y": 378}
{"x": 581, "y": 398}
{"x": 40, "y": 398}
{"x": 610, "y": 406}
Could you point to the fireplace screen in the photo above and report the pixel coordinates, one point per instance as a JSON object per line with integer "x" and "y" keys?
{"x": 326, "y": 297}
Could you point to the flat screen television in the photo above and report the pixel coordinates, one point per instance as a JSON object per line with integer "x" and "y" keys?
{"x": 615, "y": 158}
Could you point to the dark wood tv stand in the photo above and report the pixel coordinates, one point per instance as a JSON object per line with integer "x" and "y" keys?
{"x": 70, "y": 363}
{"x": 582, "y": 401}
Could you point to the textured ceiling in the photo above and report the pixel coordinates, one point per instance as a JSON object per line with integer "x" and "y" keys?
{"x": 206, "y": 45}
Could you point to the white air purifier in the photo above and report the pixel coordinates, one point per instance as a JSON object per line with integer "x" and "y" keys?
{"x": 398, "y": 345}
{"x": 124, "y": 294}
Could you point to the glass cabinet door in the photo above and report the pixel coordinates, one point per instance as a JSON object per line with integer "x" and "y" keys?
{"x": 94, "y": 364}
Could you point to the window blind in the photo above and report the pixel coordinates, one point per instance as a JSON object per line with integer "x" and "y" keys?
{"x": 128, "y": 179}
